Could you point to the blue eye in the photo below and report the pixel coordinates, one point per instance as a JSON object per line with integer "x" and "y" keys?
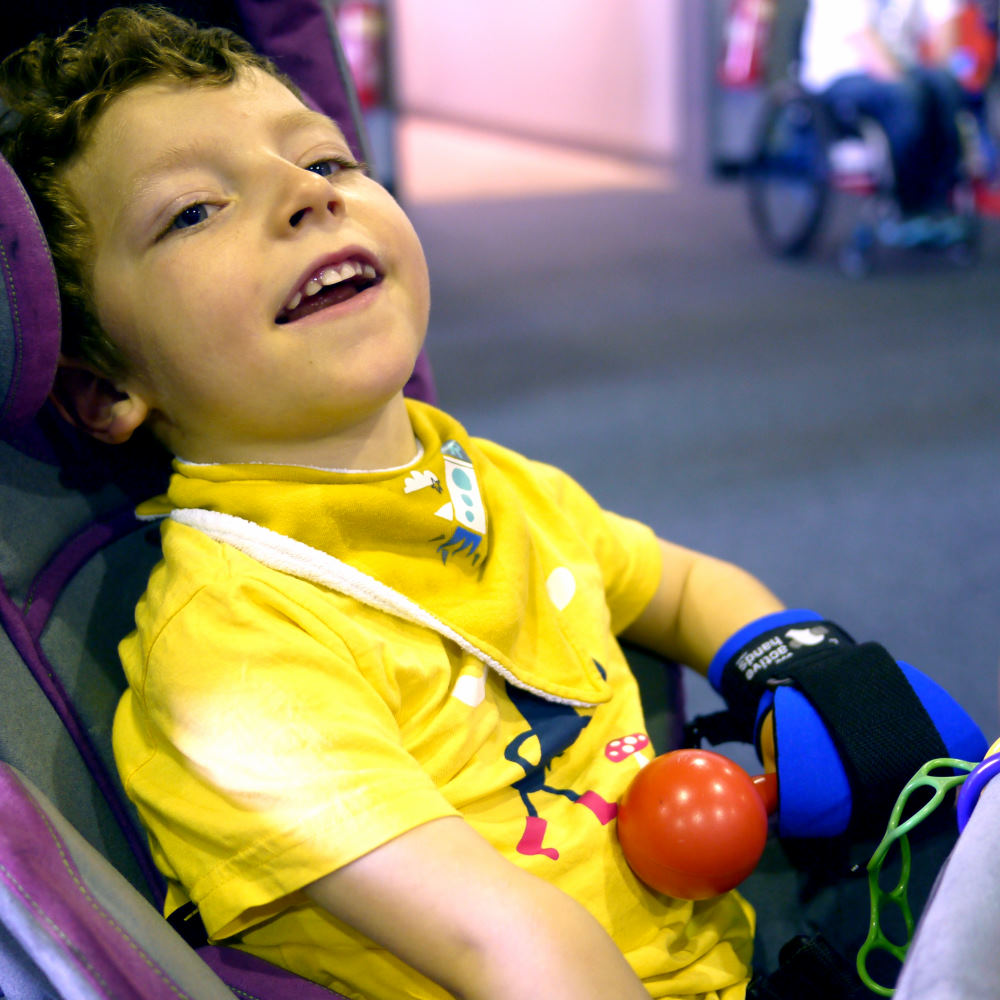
{"x": 333, "y": 165}
{"x": 190, "y": 216}
{"x": 325, "y": 168}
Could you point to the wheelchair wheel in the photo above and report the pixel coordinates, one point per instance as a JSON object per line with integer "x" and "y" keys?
{"x": 788, "y": 178}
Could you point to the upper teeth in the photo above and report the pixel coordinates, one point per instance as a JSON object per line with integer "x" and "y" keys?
{"x": 331, "y": 276}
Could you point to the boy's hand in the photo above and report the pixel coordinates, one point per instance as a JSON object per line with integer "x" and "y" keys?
{"x": 844, "y": 724}
{"x": 766, "y": 747}
{"x": 445, "y": 902}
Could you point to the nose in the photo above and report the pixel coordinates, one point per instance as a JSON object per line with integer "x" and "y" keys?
{"x": 304, "y": 196}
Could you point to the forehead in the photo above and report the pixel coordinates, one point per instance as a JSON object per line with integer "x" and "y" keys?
{"x": 162, "y": 103}
{"x": 249, "y": 87}
{"x": 164, "y": 123}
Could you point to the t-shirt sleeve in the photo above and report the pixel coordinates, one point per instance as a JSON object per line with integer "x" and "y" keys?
{"x": 271, "y": 759}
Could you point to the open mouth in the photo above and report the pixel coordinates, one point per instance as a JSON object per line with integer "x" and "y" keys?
{"x": 329, "y": 286}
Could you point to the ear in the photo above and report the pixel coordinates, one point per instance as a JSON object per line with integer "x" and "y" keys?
{"x": 95, "y": 404}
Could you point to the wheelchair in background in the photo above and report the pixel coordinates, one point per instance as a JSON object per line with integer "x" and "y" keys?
{"x": 806, "y": 153}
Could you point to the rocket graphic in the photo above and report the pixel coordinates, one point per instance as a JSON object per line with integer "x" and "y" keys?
{"x": 465, "y": 505}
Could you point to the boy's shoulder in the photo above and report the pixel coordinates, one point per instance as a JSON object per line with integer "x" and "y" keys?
{"x": 194, "y": 563}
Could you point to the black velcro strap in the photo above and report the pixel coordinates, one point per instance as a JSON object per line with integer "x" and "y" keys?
{"x": 881, "y": 730}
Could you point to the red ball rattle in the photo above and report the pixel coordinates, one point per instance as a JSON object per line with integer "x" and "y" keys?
{"x": 693, "y": 824}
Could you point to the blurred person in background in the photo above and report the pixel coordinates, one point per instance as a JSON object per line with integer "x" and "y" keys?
{"x": 894, "y": 61}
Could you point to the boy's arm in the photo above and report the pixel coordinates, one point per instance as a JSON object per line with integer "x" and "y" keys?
{"x": 700, "y": 602}
{"x": 783, "y": 675}
{"x": 444, "y": 901}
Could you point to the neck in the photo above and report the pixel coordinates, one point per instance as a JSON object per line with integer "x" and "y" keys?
{"x": 384, "y": 440}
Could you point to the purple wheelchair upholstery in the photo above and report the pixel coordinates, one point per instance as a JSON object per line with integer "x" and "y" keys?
{"x": 72, "y": 927}
{"x": 298, "y": 38}
{"x": 109, "y": 938}
{"x": 29, "y": 311}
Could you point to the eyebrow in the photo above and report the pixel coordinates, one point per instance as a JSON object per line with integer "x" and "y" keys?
{"x": 178, "y": 156}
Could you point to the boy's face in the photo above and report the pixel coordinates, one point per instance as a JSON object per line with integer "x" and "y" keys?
{"x": 216, "y": 211}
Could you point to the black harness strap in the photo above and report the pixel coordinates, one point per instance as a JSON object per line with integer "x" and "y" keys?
{"x": 186, "y": 920}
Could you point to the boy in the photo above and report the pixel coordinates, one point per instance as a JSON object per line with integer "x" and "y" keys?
{"x": 374, "y": 679}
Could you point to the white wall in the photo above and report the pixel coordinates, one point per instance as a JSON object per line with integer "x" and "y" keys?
{"x": 605, "y": 74}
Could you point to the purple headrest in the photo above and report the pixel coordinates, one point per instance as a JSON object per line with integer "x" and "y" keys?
{"x": 29, "y": 309}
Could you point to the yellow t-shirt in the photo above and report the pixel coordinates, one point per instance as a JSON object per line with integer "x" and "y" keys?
{"x": 366, "y": 652}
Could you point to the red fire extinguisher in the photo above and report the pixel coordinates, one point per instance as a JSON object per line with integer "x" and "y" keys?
{"x": 361, "y": 25}
{"x": 747, "y": 32}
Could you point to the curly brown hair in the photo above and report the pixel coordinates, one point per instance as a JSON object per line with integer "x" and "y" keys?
{"x": 57, "y": 89}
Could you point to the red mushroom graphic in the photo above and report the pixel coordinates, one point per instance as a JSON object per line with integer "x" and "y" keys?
{"x": 628, "y": 746}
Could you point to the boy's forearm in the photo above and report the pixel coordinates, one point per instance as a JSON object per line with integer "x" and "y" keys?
{"x": 486, "y": 930}
{"x": 563, "y": 947}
